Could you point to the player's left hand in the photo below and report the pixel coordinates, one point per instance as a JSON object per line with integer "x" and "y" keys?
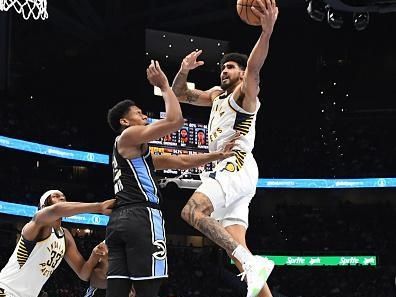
{"x": 227, "y": 151}
{"x": 268, "y": 13}
{"x": 100, "y": 251}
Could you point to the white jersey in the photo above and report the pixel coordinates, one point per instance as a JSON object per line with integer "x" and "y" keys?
{"x": 237, "y": 175}
{"x": 226, "y": 118}
{"x": 31, "y": 264}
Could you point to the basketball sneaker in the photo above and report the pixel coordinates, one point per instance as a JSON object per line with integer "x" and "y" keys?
{"x": 256, "y": 270}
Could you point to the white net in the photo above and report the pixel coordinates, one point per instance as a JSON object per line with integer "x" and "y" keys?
{"x": 35, "y": 9}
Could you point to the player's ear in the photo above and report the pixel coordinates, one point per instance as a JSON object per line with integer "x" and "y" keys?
{"x": 124, "y": 122}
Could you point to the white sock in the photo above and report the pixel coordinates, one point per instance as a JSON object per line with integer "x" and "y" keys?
{"x": 242, "y": 254}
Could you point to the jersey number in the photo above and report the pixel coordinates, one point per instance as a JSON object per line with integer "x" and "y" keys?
{"x": 118, "y": 186}
{"x": 55, "y": 257}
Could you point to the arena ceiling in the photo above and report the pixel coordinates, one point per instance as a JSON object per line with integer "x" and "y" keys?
{"x": 94, "y": 48}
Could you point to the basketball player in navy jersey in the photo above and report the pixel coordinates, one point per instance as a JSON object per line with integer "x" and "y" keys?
{"x": 219, "y": 208}
{"x": 135, "y": 234}
{"x": 44, "y": 243}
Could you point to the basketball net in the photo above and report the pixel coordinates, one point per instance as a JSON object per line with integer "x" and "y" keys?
{"x": 27, "y": 8}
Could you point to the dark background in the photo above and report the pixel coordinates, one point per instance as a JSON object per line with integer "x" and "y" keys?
{"x": 89, "y": 55}
{"x": 328, "y": 111}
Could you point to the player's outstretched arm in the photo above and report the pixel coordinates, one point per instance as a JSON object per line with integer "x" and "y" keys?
{"x": 192, "y": 161}
{"x": 48, "y": 215}
{"x": 250, "y": 86}
{"x": 76, "y": 261}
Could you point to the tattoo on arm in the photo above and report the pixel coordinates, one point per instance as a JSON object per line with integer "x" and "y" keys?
{"x": 179, "y": 85}
{"x": 193, "y": 95}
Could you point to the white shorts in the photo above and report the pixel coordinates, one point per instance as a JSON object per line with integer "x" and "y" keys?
{"x": 4, "y": 291}
{"x": 230, "y": 188}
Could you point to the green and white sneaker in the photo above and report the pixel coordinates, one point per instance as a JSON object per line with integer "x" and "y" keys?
{"x": 256, "y": 270}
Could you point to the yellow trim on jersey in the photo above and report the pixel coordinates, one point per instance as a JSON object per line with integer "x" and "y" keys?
{"x": 240, "y": 158}
{"x": 22, "y": 252}
{"x": 243, "y": 122}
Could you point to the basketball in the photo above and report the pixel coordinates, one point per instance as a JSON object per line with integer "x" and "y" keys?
{"x": 245, "y": 12}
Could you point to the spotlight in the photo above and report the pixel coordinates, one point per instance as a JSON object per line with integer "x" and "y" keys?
{"x": 361, "y": 20}
{"x": 316, "y": 10}
{"x": 334, "y": 18}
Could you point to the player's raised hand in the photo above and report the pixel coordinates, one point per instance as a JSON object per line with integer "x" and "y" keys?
{"x": 268, "y": 13}
{"x": 156, "y": 76}
{"x": 190, "y": 61}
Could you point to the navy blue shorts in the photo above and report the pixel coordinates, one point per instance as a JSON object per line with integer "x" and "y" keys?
{"x": 135, "y": 236}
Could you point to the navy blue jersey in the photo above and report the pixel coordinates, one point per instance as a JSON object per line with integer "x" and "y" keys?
{"x": 133, "y": 179}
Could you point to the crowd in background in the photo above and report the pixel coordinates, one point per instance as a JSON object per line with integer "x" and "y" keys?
{"x": 349, "y": 148}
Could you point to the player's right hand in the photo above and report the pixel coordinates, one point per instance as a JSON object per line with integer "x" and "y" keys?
{"x": 267, "y": 15}
{"x": 106, "y": 206}
{"x": 190, "y": 61}
{"x": 156, "y": 76}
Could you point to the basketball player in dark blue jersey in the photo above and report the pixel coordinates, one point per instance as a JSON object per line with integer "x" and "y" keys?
{"x": 135, "y": 234}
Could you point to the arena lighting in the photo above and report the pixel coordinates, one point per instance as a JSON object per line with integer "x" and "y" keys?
{"x": 271, "y": 183}
{"x": 34, "y": 147}
{"x": 361, "y": 20}
{"x": 379, "y": 6}
{"x": 334, "y": 18}
{"x": 316, "y": 10}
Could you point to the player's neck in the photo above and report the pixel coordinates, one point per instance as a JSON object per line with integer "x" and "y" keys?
{"x": 57, "y": 224}
{"x": 230, "y": 89}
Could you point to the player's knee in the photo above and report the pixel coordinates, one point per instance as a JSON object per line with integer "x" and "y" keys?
{"x": 185, "y": 214}
{"x": 191, "y": 214}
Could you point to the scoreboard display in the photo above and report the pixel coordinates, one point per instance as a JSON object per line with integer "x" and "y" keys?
{"x": 191, "y": 139}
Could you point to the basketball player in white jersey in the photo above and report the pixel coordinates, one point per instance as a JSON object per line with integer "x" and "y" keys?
{"x": 219, "y": 207}
{"x": 98, "y": 279}
{"x": 44, "y": 243}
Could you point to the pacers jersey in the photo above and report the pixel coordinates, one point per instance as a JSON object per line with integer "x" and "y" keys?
{"x": 31, "y": 264}
{"x": 133, "y": 179}
{"x": 226, "y": 118}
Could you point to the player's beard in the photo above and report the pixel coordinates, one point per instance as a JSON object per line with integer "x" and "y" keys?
{"x": 229, "y": 84}
{"x": 225, "y": 86}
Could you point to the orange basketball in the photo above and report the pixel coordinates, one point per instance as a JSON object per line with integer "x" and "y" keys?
{"x": 245, "y": 12}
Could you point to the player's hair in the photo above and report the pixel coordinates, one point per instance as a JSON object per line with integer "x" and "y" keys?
{"x": 117, "y": 112}
{"x": 238, "y": 58}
